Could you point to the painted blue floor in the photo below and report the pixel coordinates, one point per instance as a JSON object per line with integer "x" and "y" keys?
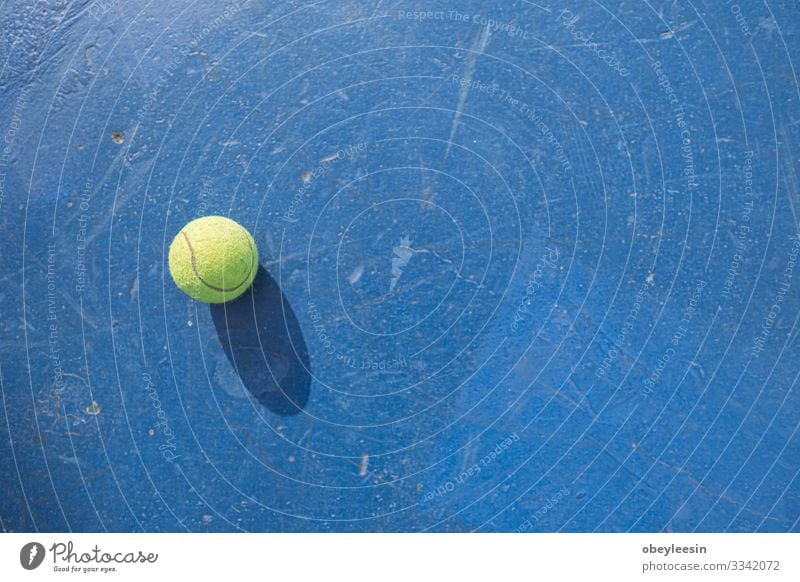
{"x": 524, "y": 266}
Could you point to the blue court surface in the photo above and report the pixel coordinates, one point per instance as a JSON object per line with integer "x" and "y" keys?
{"x": 524, "y": 266}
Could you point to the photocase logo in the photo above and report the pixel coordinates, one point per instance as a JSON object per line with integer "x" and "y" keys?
{"x": 31, "y": 555}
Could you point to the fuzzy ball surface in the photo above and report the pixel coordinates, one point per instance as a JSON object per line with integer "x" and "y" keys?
{"x": 213, "y": 259}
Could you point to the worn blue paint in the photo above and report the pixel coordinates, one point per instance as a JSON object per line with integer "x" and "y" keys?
{"x": 512, "y": 280}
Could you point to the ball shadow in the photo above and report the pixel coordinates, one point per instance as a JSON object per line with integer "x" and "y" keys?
{"x": 263, "y": 341}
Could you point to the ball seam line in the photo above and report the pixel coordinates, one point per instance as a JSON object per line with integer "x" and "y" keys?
{"x": 209, "y": 285}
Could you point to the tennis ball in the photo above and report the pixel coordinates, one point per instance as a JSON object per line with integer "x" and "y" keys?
{"x": 213, "y": 259}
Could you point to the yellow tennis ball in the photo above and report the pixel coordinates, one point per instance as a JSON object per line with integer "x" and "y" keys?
{"x": 213, "y": 259}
